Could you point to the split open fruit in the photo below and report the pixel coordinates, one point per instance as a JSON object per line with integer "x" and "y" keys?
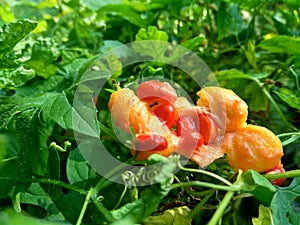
{"x": 164, "y": 123}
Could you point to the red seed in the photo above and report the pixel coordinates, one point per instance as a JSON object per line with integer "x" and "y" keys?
{"x": 166, "y": 113}
{"x": 149, "y": 142}
{"x": 278, "y": 169}
{"x": 207, "y": 128}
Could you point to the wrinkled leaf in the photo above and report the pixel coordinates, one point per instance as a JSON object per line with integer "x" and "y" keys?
{"x": 12, "y": 33}
{"x": 44, "y": 54}
{"x": 11, "y": 79}
{"x": 151, "y": 42}
{"x": 152, "y": 33}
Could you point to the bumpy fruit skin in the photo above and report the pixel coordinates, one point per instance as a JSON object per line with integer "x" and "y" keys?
{"x": 229, "y": 108}
{"x": 129, "y": 111}
{"x": 252, "y": 147}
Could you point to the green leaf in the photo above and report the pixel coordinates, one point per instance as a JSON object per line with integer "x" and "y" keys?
{"x": 285, "y": 205}
{"x": 281, "y": 44}
{"x": 81, "y": 119}
{"x": 95, "y": 5}
{"x": 175, "y": 216}
{"x": 32, "y": 153}
{"x": 193, "y": 44}
{"x": 129, "y": 13}
{"x": 256, "y": 99}
{"x": 151, "y": 42}
{"x": 264, "y": 216}
{"x": 232, "y": 74}
{"x": 79, "y": 172}
{"x": 63, "y": 202}
{"x": 259, "y": 186}
{"x": 13, "y": 78}
{"x": 10, "y": 217}
{"x": 250, "y": 54}
{"x": 247, "y": 4}
{"x": 291, "y": 100}
{"x": 12, "y": 33}
{"x": 234, "y": 19}
{"x": 137, "y": 211}
{"x": 152, "y": 33}
{"x": 35, "y": 195}
{"x": 9, "y": 160}
{"x": 58, "y": 109}
{"x": 44, "y": 54}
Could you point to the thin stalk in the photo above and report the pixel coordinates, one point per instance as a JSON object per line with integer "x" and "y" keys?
{"x": 288, "y": 134}
{"x": 288, "y": 174}
{"x": 221, "y": 208}
{"x": 121, "y": 197}
{"x": 284, "y": 120}
{"x": 198, "y": 193}
{"x": 99, "y": 185}
{"x": 205, "y": 184}
{"x": 200, "y": 205}
{"x": 296, "y": 78}
{"x": 84, "y": 207}
{"x": 8, "y": 159}
{"x": 206, "y": 173}
{"x": 107, "y": 215}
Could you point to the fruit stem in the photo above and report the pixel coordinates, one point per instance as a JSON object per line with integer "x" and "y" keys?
{"x": 287, "y": 174}
{"x": 206, "y": 173}
{"x": 221, "y": 208}
{"x": 206, "y": 184}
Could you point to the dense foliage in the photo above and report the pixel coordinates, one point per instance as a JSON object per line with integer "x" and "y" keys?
{"x": 46, "y": 46}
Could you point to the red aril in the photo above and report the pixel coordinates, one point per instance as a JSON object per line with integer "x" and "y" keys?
{"x": 166, "y": 113}
{"x": 207, "y": 128}
{"x": 278, "y": 169}
{"x": 151, "y": 142}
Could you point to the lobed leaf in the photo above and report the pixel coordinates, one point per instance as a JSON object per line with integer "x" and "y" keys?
{"x": 285, "y": 204}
